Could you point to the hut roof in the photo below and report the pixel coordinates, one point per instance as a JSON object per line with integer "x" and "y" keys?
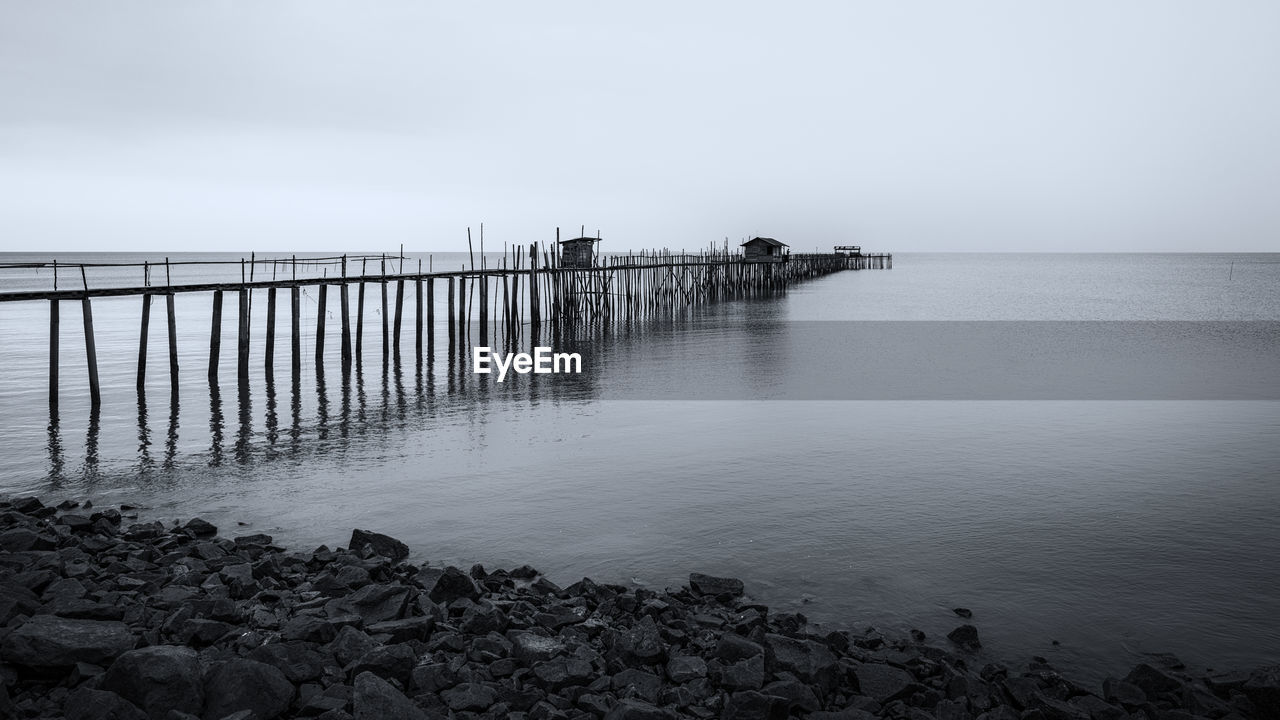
{"x": 580, "y": 239}
{"x": 766, "y": 241}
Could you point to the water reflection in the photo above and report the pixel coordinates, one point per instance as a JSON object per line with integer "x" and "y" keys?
{"x": 356, "y": 409}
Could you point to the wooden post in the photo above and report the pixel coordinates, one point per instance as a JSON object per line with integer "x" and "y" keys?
{"x": 463, "y": 316}
{"x": 360, "y": 322}
{"x": 431, "y": 317}
{"x": 484, "y": 309}
{"x": 269, "y": 352}
{"x": 320, "y": 313}
{"x": 452, "y": 331}
{"x": 346, "y": 328}
{"x": 242, "y": 351}
{"x": 90, "y": 350}
{"x": 215, "y": 335}
{"x": 399, "y": 315}
{"x": 53, "y": 352}
{"x": 295, "y": 300}
{"x": 417, "y": 336}
{"x": 386, "y": 335}
{"x": 173, "y": 344}
{"x": 142, "y": 343}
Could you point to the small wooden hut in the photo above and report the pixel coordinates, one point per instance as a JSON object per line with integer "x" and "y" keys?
{"x": 578, "y": 252}
{"x": 763, "y": 249}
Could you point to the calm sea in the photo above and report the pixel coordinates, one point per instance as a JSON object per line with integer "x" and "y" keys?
{"x": 1113, "y": 517}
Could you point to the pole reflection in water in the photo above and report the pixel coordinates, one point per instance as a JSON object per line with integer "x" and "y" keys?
{"x": 272, "y": 422}
{"x": 244, "y": 438}
{"x": 171, "y": 440}
{"x": 322, "y": 406}
{"x": 145, "y": 463}
{"x": 56, "y": 461}
{"x": 295, "y": 403}
{"x": 91, "y": 443}
{"x": 215, "y": 424}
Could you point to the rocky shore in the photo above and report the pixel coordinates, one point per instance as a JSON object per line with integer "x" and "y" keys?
{"x": 106, "y": 618}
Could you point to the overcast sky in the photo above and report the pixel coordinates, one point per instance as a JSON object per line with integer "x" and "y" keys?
{"x": 901, "y": 126}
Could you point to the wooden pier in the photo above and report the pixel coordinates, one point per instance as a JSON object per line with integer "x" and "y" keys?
{"x": 529, "y": 292}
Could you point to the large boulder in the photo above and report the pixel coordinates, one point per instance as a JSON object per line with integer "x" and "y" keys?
{"x": 87, "y": 704}
{"x": 450, "y": 585}
{"x": 51, "y": 641}
{"x": 882, "y": 683}
{"x": 243, "y": 684}
{"x": 373, "y": 603}
{"x": 810, "y": 661}
{"x": 377, "y": 699}
{"x": 383, "y": 545}
{"x": 715, "y": 586}
{"x": 158, "y": 679}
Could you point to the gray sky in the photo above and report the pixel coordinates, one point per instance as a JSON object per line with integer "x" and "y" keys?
{"x": 902, "y": 126}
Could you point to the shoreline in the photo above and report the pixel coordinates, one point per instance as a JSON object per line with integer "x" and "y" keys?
{"x": 102, "y": 616}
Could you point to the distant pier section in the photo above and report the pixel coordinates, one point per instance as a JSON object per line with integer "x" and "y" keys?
{"x": 532, "y": 290}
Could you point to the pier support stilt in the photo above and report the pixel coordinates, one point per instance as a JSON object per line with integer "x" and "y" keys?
{"x": 91, "y": 352}
{"x": 345, "y": 301}
{"x": 215, "y": 336}
{"x": 295, "y": 340}
{"x": 269, "y": 352}
{"x": 242, "y": 347}
{"x": 320, "y": 318}
{"x": 142, "y": 343}
{"x": 53, "y": 353}
{"x": 172, "y": 319}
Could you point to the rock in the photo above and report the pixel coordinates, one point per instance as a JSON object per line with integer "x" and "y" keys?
{"x": 732, "y": 648}
{"x": 743, "y": 675}
{"x": 403, "y": 630}
{"x": 1152, "y": 681}
{"x": 373, "y": 603}
{"x": 642, "y": 643}
{"x": 798, "y": 694}
{"x": 752, "y": 705}
{"x": 158, "y": 679}
{"x": 308, "y": 628}
{"x": 682, "y": 668}
{"x": 965, "y": 613}
{"x": 376, "y": 699}
{"x": 882, "y": 683}
{"x": 16, "y": 600}
{"x": 350, "y": 644}
{"x": 300, "y": 662}
{"x": 638, "y": 683}
{"x": 631, "y": 709}
{"x": 390, "y": 662}
{"x": 383, "y": 545}
{"x": 715, "y": 586}
{"x": 966, "y": 636}
{"x": 200, "y": 527}
{"x": 49, "y": 641}
{"x": 810, "y": 661}
{"x": 528, "y": 648}
{"x": 243, "y": 684}
{"x": 451, "y": 585}
{"x": 1127, "y": 694}
{"x": 87, "y": 704}
{"x": 432, "y": 678}
{"x": 469, "y": 696}
{"x": 1263, "y": 690}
